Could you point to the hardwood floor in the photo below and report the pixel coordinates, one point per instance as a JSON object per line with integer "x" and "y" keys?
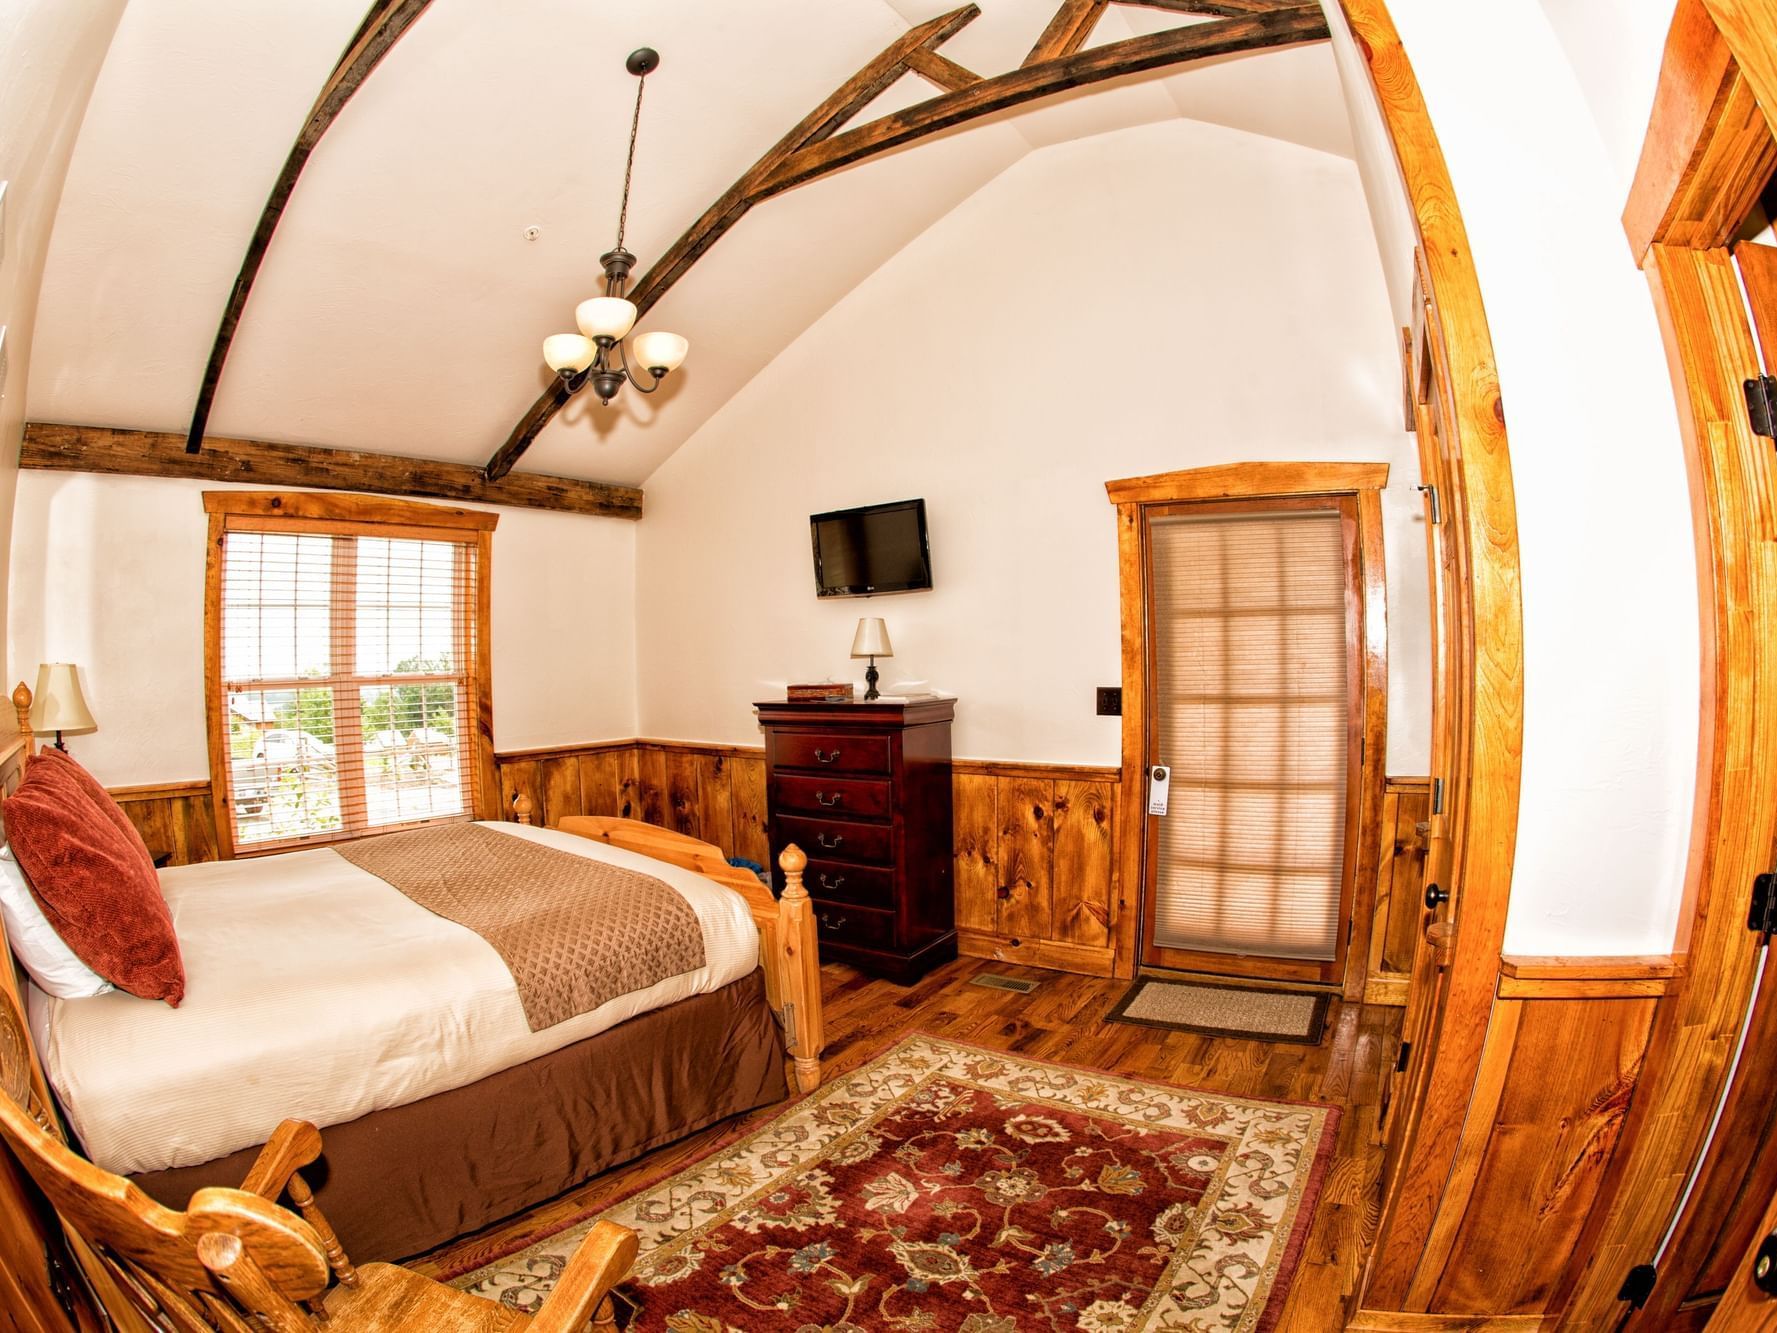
{"x": 1063, "y": 1019}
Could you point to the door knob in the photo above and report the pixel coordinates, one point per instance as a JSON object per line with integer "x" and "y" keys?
{"x": 1434, "y": 895}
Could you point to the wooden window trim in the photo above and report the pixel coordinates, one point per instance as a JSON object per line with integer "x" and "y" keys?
{"x": 1252, "y": 481}
{"x": 347, "y": 515}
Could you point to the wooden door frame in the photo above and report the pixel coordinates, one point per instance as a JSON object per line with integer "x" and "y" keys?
{"x": 1708, "y": 152}
{"x": 1481, "y": 514}
{"x": 1249, "y": 481}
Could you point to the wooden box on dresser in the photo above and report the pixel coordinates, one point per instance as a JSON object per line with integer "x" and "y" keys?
{"x": 864, "y": 790}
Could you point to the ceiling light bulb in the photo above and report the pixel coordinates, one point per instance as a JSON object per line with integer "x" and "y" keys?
{"x": 568, "y": 352}
{"x": 605, "y": 317}
{"x": 661, "y": 351}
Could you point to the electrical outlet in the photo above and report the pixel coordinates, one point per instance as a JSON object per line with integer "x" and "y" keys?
{"x": 1110, "y": 701}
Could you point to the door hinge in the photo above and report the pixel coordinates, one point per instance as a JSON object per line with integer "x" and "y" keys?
{"x": 1638, "y": 1285}
{"x": 1763, "y": 915}
{"x": 1400, "y": 1062}
{"x": 1437, "y": 796}
{"x": 1437, "y": 510}
{"x": 1761, "y": 405}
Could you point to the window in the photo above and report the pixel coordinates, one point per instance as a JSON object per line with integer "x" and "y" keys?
{"x": 347, "y": 681}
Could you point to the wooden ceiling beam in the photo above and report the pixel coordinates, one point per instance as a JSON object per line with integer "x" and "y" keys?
{"x": 1067, "y": 31}
{"x": 941, "y": 70}
{"x": 840, "y": 106}
{"x": 142, "y": 453}
{"x": 819, "y": 145}
{"x": 1228, "y": 9}
{"x": 1176, "y": 46}
{"x": 383, "y": 26}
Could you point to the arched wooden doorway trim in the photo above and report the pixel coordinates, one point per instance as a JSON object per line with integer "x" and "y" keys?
{"x": 1486, "y": 718}
{"x": 1709, "y": 152}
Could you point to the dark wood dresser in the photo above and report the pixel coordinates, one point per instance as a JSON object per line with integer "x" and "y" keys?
{"x": 864, "y": 790}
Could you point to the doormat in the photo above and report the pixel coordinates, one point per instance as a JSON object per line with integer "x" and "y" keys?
{"x": 1224, "y": 1011}
{"x": 959, "y": 1190}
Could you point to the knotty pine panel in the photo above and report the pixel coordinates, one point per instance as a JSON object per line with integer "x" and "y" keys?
{"x": 176, "y": 820}
{"x": 715, "y": 802}
{"x": 1081, "y": 898}
{"x": 1026, "y": 857}
{"x": 975, "y": 833}
{"x": 1398, "y": 907}
{"x": 746, "y": 791}
{"x": 651, "y": 794}
{"x": 1538, "y": 1161}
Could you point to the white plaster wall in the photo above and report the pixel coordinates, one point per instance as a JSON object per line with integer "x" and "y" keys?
{"x": 1169, "y": 296}
{"x": 1609, "y": 581}
{"x": 108, "y": 572}
{"x": 50, "y": 53}
{"x": 1614, "y": 49}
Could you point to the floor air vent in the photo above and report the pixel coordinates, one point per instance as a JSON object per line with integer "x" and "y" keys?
{"x": 994, "y": 981}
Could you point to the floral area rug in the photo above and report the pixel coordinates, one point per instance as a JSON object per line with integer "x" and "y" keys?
{"x": 948, "y": 1188}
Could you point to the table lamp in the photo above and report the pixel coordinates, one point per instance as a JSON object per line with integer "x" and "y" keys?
{"x": 871, "y": 641}
{"x": 58, "y": 705}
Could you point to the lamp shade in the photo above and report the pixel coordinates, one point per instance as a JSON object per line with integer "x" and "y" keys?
{"x": 58, "y": 704}
{"x": 569, "y": 352}
{"x": 605, "y": 317}
{"x": 661, "y": 351}
{"x": 872, "y": 639}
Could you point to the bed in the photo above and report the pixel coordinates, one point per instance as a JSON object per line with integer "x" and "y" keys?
{"x": 318, "y": 991}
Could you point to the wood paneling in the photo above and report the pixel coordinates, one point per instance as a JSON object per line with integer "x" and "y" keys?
{"x": 1034, "y": 865}
{"x": 176, "y": 820}
{"x": 1398, "y": 911}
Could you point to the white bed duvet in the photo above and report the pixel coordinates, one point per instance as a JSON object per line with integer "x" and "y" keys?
{"x": 315, "y": 990}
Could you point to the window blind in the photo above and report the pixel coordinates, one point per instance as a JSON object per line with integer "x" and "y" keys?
{"x": 346, "y": 666}
{"x": 1252, "y": 709}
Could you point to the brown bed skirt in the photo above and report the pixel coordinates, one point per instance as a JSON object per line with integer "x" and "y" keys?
{"x": 401, "y": 1181}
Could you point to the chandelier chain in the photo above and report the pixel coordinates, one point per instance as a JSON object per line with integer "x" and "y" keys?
{"x": 630, "y": 163}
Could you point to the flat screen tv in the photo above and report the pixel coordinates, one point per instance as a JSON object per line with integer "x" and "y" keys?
{"x": 879, "y": 548}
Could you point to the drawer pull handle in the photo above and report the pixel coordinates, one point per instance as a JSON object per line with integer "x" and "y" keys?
{"x": 820, "y": 758}
{"x": 831, "y": 924}
{"x": 821, "y": 796}
{"x": 835, "y": 884}
{"x": 821, "y": 838}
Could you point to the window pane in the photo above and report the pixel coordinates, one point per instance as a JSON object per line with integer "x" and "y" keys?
{"x": 412, "y": 765}
{"x": 276, "y": 613}
{"x": 410, "y": 595}
{"x": 284, "y": 774}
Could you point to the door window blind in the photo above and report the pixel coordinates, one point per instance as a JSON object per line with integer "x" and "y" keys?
{"x": 346, "y": 664}
{"x": 1252, "y": 694}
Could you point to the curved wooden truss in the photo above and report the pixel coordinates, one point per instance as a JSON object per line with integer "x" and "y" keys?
{"x": 820, "y": 143}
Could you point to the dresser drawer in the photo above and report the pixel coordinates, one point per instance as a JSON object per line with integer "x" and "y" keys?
{"x": 873, "y": 886}
{"x": 844, "y": 923}
{"x": 836, "y": 839}
{"x": 836, "y": 798}
{"x": 842, "y": 754}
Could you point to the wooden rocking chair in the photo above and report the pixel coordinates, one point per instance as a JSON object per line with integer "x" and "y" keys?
{"x": 237, "y": 1262}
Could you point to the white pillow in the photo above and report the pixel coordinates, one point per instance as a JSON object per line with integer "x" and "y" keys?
{"x": 51, "y": 963}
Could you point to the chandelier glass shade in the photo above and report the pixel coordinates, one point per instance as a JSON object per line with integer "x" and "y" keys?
{"x": 602, "y": 354}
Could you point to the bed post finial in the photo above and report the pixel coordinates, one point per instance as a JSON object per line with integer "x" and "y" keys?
{"x": 796, "y": 937}
{"x": 21, "y": 703}
{"x": 522, "y": 806}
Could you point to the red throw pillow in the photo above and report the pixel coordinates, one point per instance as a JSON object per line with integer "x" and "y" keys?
{"x": 99, "y": 892}
{"x": 99, "y": 796}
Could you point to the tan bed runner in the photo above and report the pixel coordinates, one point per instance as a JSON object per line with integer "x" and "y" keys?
{"x": 574, "y": 932}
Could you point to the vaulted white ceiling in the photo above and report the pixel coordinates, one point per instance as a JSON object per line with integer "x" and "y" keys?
{"x": 401, "y": 307}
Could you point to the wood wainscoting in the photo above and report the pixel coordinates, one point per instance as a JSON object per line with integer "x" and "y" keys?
{"x": 1561, "y": 1058}
{"x": 1036, "y": 879}
{"x": 176, "y": 820}
{"x": 1398, "y": 912}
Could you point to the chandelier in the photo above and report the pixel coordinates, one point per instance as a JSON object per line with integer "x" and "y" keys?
{"x": 602, "y": 353}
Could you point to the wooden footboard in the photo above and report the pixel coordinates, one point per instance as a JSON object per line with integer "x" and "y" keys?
{"x": 788, "y": 948}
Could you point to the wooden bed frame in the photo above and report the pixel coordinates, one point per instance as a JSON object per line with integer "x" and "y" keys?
{"x": 788, "y": 952}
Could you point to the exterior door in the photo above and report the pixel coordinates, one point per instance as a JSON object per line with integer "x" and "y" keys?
{"x": 1255, "y": 708}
